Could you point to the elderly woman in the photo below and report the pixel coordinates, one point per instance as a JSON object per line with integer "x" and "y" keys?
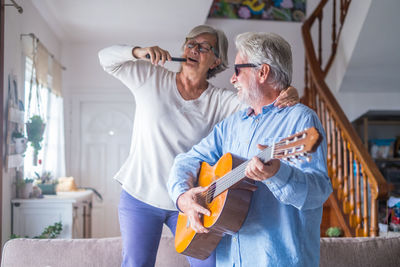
{"x": 174, "y": 111}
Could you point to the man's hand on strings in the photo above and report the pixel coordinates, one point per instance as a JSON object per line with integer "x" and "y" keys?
{"x": 189, "y": 205}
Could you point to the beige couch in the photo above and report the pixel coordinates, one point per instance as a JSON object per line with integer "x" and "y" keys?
{"x": 107, "y": 252}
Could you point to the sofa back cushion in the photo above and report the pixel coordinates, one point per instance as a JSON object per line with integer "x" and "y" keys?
{"x": 100, "y": 252}
{"x": 362, "y": 251}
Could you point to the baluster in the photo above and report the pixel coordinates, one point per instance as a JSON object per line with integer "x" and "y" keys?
{"x": 365, "y": 202}
{"x": 313, "y": 95}
{"x": 334, "y": 154}
{"x": 346, "y": 202}
{"x": 339, "y": 164}
{"x": 318, "y": 104}
{"x": 358, "y": 200}
{"x": 320, "y": 16}
{"x": 334, "y": 28}
{"x": 374, "y": 217}
{"x": 322, "y": 118}
{"x": 329, "y": 142}
{"x": 352, "y": 190}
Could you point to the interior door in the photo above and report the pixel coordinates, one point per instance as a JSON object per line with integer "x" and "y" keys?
{"x": 101, "y": 138}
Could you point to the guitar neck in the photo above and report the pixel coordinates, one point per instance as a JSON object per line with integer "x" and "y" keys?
{"x": 293, "y": 147}
{"x": 237, "y": 174}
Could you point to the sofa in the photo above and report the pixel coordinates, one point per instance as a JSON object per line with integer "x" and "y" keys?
{"x": 381, "y": 251}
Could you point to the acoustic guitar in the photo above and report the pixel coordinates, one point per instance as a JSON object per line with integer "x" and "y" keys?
{"x": 229, "y": 194}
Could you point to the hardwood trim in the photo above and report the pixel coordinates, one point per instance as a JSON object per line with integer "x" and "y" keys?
{"x": 2, "y": 21}
{"x": 358, "y": 166}
{"x": 379, "y": 186}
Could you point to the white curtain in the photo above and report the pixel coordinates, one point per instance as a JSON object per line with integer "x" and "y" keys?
{"x": 53, "y": 140}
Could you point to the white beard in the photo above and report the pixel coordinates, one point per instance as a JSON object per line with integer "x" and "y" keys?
{"x": 250, "y": 96}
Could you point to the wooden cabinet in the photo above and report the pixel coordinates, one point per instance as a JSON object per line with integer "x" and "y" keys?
{"x": 72, "y": 209}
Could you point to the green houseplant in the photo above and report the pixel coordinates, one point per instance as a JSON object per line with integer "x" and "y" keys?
{"x": 334, "y": 232}
{"x": 35, "y": 129}
{"x": 24, "y": 188}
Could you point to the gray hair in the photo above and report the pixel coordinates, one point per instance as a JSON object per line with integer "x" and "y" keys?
{"x": 221, "y": 47}
{"x": 268, "y": 48}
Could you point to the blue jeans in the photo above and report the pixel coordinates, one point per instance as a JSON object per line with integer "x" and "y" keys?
{"x": 141, "y": 227}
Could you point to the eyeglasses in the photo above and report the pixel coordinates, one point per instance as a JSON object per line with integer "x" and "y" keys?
{"x": 245, "y": 65}
{"x": 203, "y": 47}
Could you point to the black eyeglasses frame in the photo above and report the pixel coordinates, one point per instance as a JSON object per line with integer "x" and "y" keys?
{"x": 198, "y": 45}
{"x": 244, "y": 65}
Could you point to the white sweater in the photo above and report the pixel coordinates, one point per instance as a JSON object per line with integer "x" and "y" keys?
{"x": 165, "y": 124}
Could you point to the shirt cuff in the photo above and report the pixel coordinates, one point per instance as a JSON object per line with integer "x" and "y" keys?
{"x": 177, "y": 192}
{"x": 127, "y": 52}
{"x": 280, "y": 179}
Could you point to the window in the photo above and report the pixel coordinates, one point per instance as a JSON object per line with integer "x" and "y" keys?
{"x": 43, "y": 102}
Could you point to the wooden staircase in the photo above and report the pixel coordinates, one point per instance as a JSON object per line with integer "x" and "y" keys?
{"x": 357, "y": 182}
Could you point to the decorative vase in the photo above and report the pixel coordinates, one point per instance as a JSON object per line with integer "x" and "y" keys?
{"x": 20, "y": 145}
{"x": 25, "y": 190}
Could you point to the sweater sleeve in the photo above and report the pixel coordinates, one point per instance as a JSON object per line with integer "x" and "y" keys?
{"x": 118, "y": 61}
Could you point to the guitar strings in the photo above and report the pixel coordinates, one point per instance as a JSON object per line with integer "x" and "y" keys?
{"x": 237, "y": 174}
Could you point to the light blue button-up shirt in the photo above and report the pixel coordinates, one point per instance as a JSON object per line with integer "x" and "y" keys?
{"x": 282, "y": 227}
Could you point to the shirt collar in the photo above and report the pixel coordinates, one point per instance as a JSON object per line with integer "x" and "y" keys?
{"x": 267, "y": 108}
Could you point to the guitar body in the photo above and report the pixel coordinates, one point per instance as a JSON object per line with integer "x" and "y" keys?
{"x": 228, "y": 212}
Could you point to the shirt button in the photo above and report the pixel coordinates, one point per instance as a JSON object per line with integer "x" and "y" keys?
{"x": 234, "y": 238}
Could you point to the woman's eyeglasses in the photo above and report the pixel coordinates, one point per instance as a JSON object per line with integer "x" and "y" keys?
{"x": 203, "y": 47}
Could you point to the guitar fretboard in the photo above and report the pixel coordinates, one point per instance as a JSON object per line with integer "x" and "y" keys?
{"x": 234, "y": 176}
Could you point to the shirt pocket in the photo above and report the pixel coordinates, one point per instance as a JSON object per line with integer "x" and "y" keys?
{"x": 238, "y": 145}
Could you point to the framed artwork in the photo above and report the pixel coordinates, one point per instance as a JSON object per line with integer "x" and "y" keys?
{"x": 281, "y": 10}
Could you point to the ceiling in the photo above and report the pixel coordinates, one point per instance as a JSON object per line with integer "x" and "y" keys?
{"x": 374, "y": 65}
{"x": 89, "y": 21}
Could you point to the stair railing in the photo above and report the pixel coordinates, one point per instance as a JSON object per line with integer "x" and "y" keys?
{"x": 357, "y": 182}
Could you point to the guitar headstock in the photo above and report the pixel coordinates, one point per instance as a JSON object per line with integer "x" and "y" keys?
{"x": 298, "y": 145}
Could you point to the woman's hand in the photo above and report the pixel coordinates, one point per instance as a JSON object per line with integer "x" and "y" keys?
{"x": 156, "y": 54}
{"x": 288, "y": 97}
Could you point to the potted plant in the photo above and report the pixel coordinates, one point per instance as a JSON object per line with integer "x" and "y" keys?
{"x": 334, "y": 232}
{"x": 24, "y": 188}
{"x": 46, "y": 183}
{"x": 20, "y": 142}
{"x": 35, "y": 129}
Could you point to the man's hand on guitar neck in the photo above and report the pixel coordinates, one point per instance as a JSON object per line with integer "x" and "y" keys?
{"x": 259, "y": 171}
{"x": 188, "y": 204}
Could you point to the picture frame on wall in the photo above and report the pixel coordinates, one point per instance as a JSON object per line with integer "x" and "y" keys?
{"x": 280, "y": 10}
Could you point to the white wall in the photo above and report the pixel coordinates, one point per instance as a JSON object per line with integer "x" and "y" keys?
{"x": 361, "y": 90}
{"x": 16, "y": 24}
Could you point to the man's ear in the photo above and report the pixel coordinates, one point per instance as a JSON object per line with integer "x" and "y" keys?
{"x": 263, "y": 73}
{"x": 216, "y": 63}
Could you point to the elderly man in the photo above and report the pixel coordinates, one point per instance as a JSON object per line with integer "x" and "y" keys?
{"x": 283, "y": 222}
